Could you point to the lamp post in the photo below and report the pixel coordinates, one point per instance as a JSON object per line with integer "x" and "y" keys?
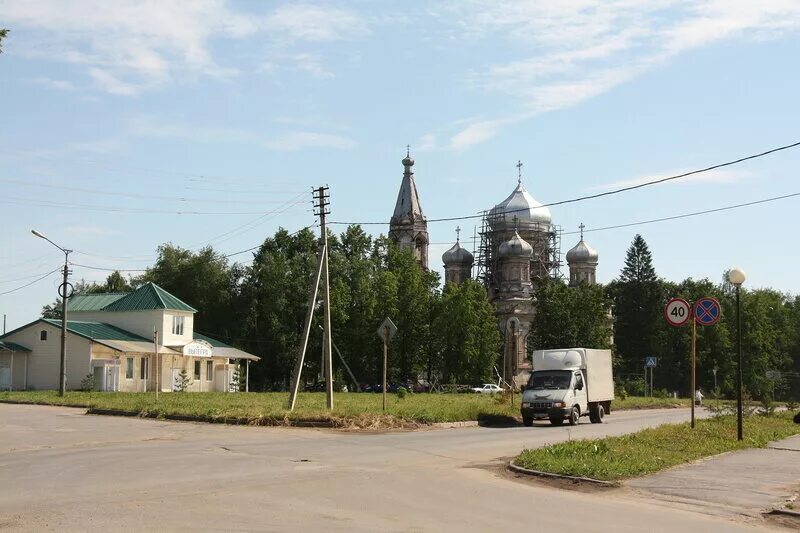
{"x": 65, "y": 292}
{"x": 737, "y": 276}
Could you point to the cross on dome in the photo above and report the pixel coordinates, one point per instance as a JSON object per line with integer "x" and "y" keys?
{"x": 458, "y": 233}
{"x": 581, "y": 226}
{"x": 519, "y": 171}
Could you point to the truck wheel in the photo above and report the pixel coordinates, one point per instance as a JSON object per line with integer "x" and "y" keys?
{"x": 527, "y": 421}
{"x": 574, "y": 416}
{"x": 556, "y": 421}
{"x": 593, "y": 415}
{"x": 601, "y": 412}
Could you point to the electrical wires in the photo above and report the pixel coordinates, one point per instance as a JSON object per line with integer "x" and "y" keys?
{"x": 31, "y": 283}
{"x": 606, "y": 193}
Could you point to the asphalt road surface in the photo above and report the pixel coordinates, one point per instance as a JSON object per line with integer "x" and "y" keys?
{"x": 63, "y": 470}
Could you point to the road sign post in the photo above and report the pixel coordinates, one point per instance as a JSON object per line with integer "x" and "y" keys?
{"x": 706, "y": 312}
{"x": 649, "y": 363}
{"x": 386, "y": 331}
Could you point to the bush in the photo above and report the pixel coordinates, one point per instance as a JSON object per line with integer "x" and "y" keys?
{"x": 401, "y": 392}
{"x": 88, "y": 383}
{"x": 182, "y": 381}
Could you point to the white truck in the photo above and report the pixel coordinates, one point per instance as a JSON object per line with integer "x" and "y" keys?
{"x": 567, "y": 384}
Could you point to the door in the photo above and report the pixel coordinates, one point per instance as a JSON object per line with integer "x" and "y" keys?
{"x": 99, "y": 378}
{"x": 5, "y": 375}
{"x": 580, "y": 392}
{"x": 176, "y": 378}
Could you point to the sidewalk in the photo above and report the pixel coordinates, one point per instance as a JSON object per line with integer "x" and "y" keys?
{"x": 745, "y": 482}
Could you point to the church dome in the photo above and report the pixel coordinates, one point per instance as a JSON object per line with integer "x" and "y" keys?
{"x": 515, "y": 247}
{"x": 457, "y": 256}
{"x": 522, "y": 206}
{"x": 582, "y": 253}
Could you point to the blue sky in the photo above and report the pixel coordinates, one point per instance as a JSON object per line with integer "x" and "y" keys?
{"x": 119, "y": 115}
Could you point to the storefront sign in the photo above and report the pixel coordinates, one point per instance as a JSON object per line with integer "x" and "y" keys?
{"x": 198, "y": 348}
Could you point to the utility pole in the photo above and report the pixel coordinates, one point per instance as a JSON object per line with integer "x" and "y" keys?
{"x": 65, "y": 290}
{"x": 322, "y": 201}
{"x": 155, "y": 355}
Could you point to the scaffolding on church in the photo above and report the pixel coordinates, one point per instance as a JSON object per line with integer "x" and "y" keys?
{"x": 545, "y": 260}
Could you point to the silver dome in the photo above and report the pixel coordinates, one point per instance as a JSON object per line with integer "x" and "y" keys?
{"x": 582, "y": 253}
{"x": 522, "y": 206}
{"x": 457, "y": 256}
{"x": 515, "y": 247}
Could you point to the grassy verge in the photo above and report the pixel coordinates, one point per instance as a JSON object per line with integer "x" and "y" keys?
{"x": 351, "y": 409}
{"x": 651, "y": 450}
{"x": 640, "y": 402}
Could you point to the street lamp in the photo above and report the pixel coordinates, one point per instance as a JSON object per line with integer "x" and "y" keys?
{"x": 737, "y": 276}
{"x": 65, "y": 292}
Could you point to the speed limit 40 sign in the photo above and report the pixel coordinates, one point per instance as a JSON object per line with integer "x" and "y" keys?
{"x": 678, "y": 312}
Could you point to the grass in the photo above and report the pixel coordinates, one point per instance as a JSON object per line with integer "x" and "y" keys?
{"x": 351, "y": 409}
{"x": 641, "y": 402}
{"x": 651, "y": 450}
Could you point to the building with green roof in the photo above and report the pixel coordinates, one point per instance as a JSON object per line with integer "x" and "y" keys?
{"x": 131, "y": 342}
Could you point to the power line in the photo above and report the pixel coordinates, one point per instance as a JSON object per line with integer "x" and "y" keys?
{"x": 607, "y": 193}
{"x": 139, "y": 195}
{"x": 104, "y": 269}
{"x": 22, "y": 278}
{"x": 675, "y": 217}
{"x": 687, "y": 215}
{"x": 111, "y": 209}
{"x": 31, "y": 283}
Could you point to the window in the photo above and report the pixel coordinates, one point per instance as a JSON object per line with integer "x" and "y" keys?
{"x": 177, "y": 325}
{"x": 129, "y": 368}
{"x": 43, "y": 335}
{"x": 578, "y": 382}
{"x": 209, "y": 370}
{"x": 144, "y": 368}
{"x": 197, "y": 370}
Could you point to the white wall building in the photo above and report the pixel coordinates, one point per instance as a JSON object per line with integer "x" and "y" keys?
{"x": 129, "y": 342}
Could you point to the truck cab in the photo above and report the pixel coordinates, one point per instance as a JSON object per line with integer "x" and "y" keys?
{"x": 558, "y": 388}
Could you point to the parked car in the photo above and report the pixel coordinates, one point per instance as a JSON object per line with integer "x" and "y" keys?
{"x": 488, "y": 388}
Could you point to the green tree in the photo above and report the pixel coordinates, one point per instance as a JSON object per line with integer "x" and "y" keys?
{"x": 204, "y": 279}
{"x": 412, "y": 344}
{"x": 570, "y": 316}
{"x": 274, "y": 299}
{"x": 638, "y": 299}
{"x": 467, "y": 335}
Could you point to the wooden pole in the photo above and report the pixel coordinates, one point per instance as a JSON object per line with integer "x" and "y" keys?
{"x": 385, "y": 361}
{"x": 312, "y": 300}
{"x": 327, "y": 311}
{"x": 694, "y": 343}
{"x": 155, "y": 354}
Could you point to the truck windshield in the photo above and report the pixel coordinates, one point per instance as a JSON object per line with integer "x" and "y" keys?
{"x": 551, "y": 379}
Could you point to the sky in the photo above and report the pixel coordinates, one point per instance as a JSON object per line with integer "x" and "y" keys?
{"x": 130, "y": 124}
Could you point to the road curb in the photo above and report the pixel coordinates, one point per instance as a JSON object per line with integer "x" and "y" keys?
{"x": 575, "y": 479}
{"x": 784, "y": 512}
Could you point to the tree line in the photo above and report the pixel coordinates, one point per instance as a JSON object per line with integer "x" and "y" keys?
{"x": 450, "y": 334}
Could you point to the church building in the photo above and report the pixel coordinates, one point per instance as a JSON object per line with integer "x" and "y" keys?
{"x": 520, "y": 246}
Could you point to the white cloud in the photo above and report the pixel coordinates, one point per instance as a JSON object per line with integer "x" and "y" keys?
{"x": 574, "y": 50}
{"x": 59, "y": 85}
{"x": 148, "y": 126}
{"x": 478, "y": 132}
{"x": 426, "y": 143}
{"x": 129, "y": 46}
{"x": 110, "y": 83}
{"x": 306, "y": 22}
{"x": 712, "y": 176}
{"x": 305, "y": 139}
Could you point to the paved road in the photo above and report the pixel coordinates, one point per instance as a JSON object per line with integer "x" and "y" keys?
{"x": 63, "y": 470}
{"x": 748, "y": 481}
